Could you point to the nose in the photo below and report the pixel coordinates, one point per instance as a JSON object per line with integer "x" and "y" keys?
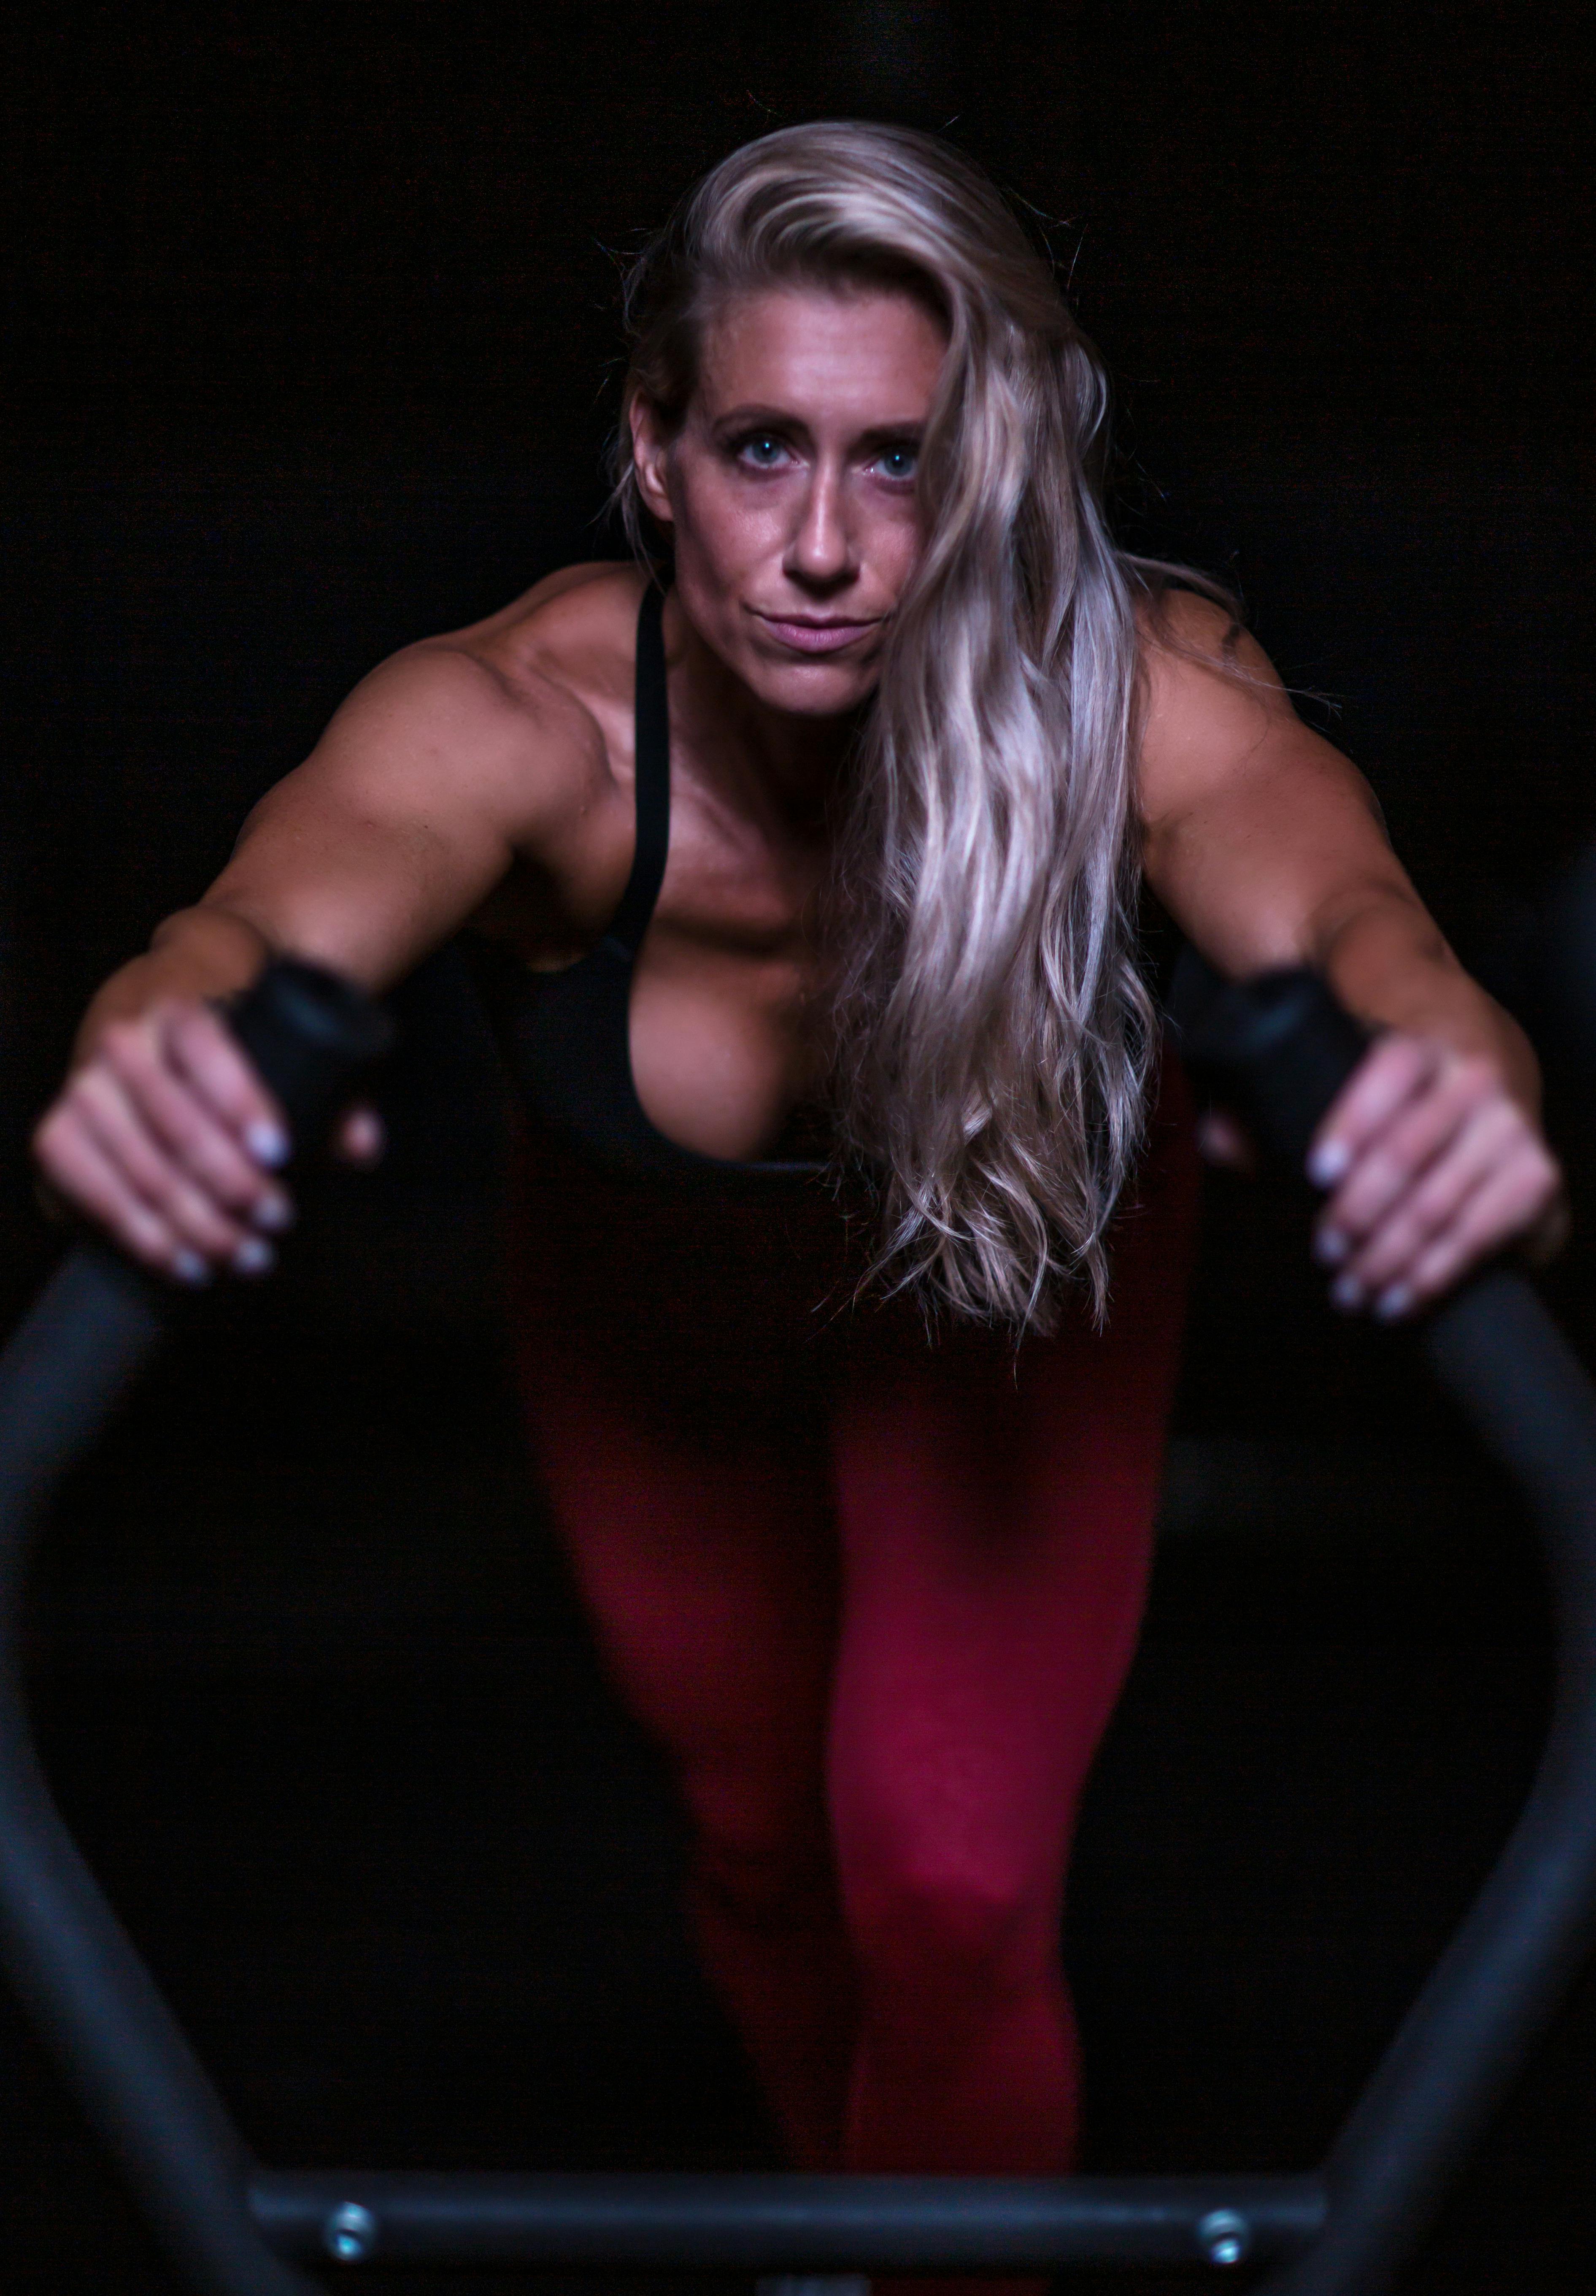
{"x": 821, "y": 553}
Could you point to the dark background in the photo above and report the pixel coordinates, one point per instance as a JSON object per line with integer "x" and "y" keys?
{"x": 312, "y": 349}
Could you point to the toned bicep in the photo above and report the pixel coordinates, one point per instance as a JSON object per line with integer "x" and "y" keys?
{"x": 425, "y": 786}
{"x": 1259, "y": 839}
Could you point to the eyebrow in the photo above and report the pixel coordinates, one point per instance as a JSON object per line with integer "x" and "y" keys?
{"x": 776, "y": 418}
{"x": 892, "y": 434}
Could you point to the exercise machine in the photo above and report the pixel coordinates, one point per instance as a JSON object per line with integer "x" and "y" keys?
{"x": 233, "y": 2227}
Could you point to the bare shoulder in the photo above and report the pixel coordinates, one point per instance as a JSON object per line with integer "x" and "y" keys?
{"x": 1194, "y": 653}
{"x": 1212, "y": 706}
{"x": 573, "y": 632}
{"x": 510, "y": 713}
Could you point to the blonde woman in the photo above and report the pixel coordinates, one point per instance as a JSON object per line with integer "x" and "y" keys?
{"x": 852, "y": 1231}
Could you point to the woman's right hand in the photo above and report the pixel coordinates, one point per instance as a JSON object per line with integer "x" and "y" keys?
{"x": 165, "y": 1137}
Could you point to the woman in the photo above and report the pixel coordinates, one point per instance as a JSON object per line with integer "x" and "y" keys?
{"x": 832, "y": 854}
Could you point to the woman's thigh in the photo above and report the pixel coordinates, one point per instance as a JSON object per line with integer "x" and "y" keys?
{"x": 670, "y": 1383}
{"x": 710, "y": 1577}
{"x": 995, "y": 1514}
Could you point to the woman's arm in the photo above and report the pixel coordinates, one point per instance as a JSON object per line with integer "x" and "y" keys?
{"x": 431, "y": 780}
{"x": 1266, "y": 845}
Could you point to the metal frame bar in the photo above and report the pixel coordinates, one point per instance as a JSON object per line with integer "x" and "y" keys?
{"x": 787, "y": 2224}
{"x": 230, "y": 2226}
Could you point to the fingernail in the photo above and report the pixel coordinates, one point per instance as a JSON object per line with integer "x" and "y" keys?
{"x": 1395, "y": 1300}
{"x": 1346, "y": 1294}
{"x": 273, "y": 1213}
{"x": 188, "y": 1267}
{"x": 268, "y": 1143}
{"x": 1327, "y": 1163}
{"x": 1331, "y": 1247}
{"x": 253, "y": 1257}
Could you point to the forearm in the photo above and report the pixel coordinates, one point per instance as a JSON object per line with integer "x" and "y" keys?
{"x": 203, "y": 954}
{"x": 1387, "y": 962}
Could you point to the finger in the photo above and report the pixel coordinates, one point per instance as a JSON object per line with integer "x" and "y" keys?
{"x": 1413, "y": 1162}
{"x": 76, "y": 1165}
{"x": 212, "y": 1156}
{"x": 360, "y": 1137}
{"x": 1418, "y": 1133}
{"x": 1503, "y": 1208}
{"x": 1390, "y": 1073}
{"x": 1487, "y": 1143}
{"x": 212, "y": 1061}
{"x": 115, "y": 1123}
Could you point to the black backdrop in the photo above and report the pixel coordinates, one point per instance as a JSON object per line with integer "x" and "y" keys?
{"x": 312, "y": 349}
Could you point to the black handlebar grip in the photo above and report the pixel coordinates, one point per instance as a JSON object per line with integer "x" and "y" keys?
{"x": 309, "y": 1036}
{"x": 1277, "y": 1047}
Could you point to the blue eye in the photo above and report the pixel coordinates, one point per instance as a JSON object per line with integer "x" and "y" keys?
{"x": 761, "y": 450}
{"x": 898, "y": 462}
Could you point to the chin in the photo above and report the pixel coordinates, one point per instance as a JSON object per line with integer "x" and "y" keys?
{"x": 807, "y": 685}
{"x": 811, "y": 689}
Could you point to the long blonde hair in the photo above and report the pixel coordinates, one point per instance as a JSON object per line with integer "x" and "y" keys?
{"x": 992, "y": 1034}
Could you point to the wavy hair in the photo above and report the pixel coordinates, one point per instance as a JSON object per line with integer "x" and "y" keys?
{"x": 992, "y": 1032}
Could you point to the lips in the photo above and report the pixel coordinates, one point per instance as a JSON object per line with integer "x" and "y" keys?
{"x": 815, "y": 636}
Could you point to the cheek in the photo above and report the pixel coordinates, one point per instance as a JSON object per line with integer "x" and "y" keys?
{"x": 716, "y": 521}
{"x": 718, "y": 554}
{"x": 893, "y": 539}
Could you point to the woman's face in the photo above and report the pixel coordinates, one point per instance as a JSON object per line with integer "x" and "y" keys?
{"x": 789, "y": 488}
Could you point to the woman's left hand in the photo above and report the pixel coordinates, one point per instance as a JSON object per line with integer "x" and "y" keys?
{"x": 1433, "y": 1165}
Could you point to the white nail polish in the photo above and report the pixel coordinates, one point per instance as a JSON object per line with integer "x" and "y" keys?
{"x": 272, "y": 1214}
{"x": 253, "y": 1257}
{"x": 1395, "y": 1300}
{"x": 1331, "y": 1247}
{"x": 268, "y": 1143}
{"x": 188, "y": 1267}
{"x": 1327, "y": 1163}
{"x": 1346, "y": 1294}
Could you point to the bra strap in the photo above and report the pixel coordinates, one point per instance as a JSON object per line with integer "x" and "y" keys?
{"x": 652, "y": 774}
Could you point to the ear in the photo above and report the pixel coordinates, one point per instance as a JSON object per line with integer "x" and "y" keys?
{"x": 649, "y": 449}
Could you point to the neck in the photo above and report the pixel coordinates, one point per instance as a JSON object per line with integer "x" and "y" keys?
{"x": 796, "y": 760}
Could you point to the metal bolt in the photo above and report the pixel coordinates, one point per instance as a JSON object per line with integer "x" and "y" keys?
{"x": 1224, "y": 2236}
{"x": 350, "y": 2233}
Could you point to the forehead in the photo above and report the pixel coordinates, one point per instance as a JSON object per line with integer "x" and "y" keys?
{"x": 838, "y": 355}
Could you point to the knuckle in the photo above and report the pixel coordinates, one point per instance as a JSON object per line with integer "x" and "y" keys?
{"x": 1376, "y": 1182}
{"x": 179, "y": 1121}
{"x": 205, "y": 1041}
{"x": 1424, "y": 1133}
{"x": 125, "y": 1044}
{"x": 1398, "y": 1245}
{"x": 1398, "y": 1051}
{"x": 1476, "y": 1074}
{"x": 162, "y": 1188}
{"x": 191, "y": 1018}
{"x": 95, "y": 1090}
{"x": 1412, "y": 1061}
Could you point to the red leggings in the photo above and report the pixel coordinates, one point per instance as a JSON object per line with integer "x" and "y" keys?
{"x": 877, "y": 1598}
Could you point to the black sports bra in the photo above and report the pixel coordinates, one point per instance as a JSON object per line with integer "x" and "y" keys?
{"x": 567, "y": 1035}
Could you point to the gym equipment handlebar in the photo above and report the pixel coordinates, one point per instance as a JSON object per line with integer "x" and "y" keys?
{"x": 100, "y": 1318}
{"x": 1285, "y": 1048}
